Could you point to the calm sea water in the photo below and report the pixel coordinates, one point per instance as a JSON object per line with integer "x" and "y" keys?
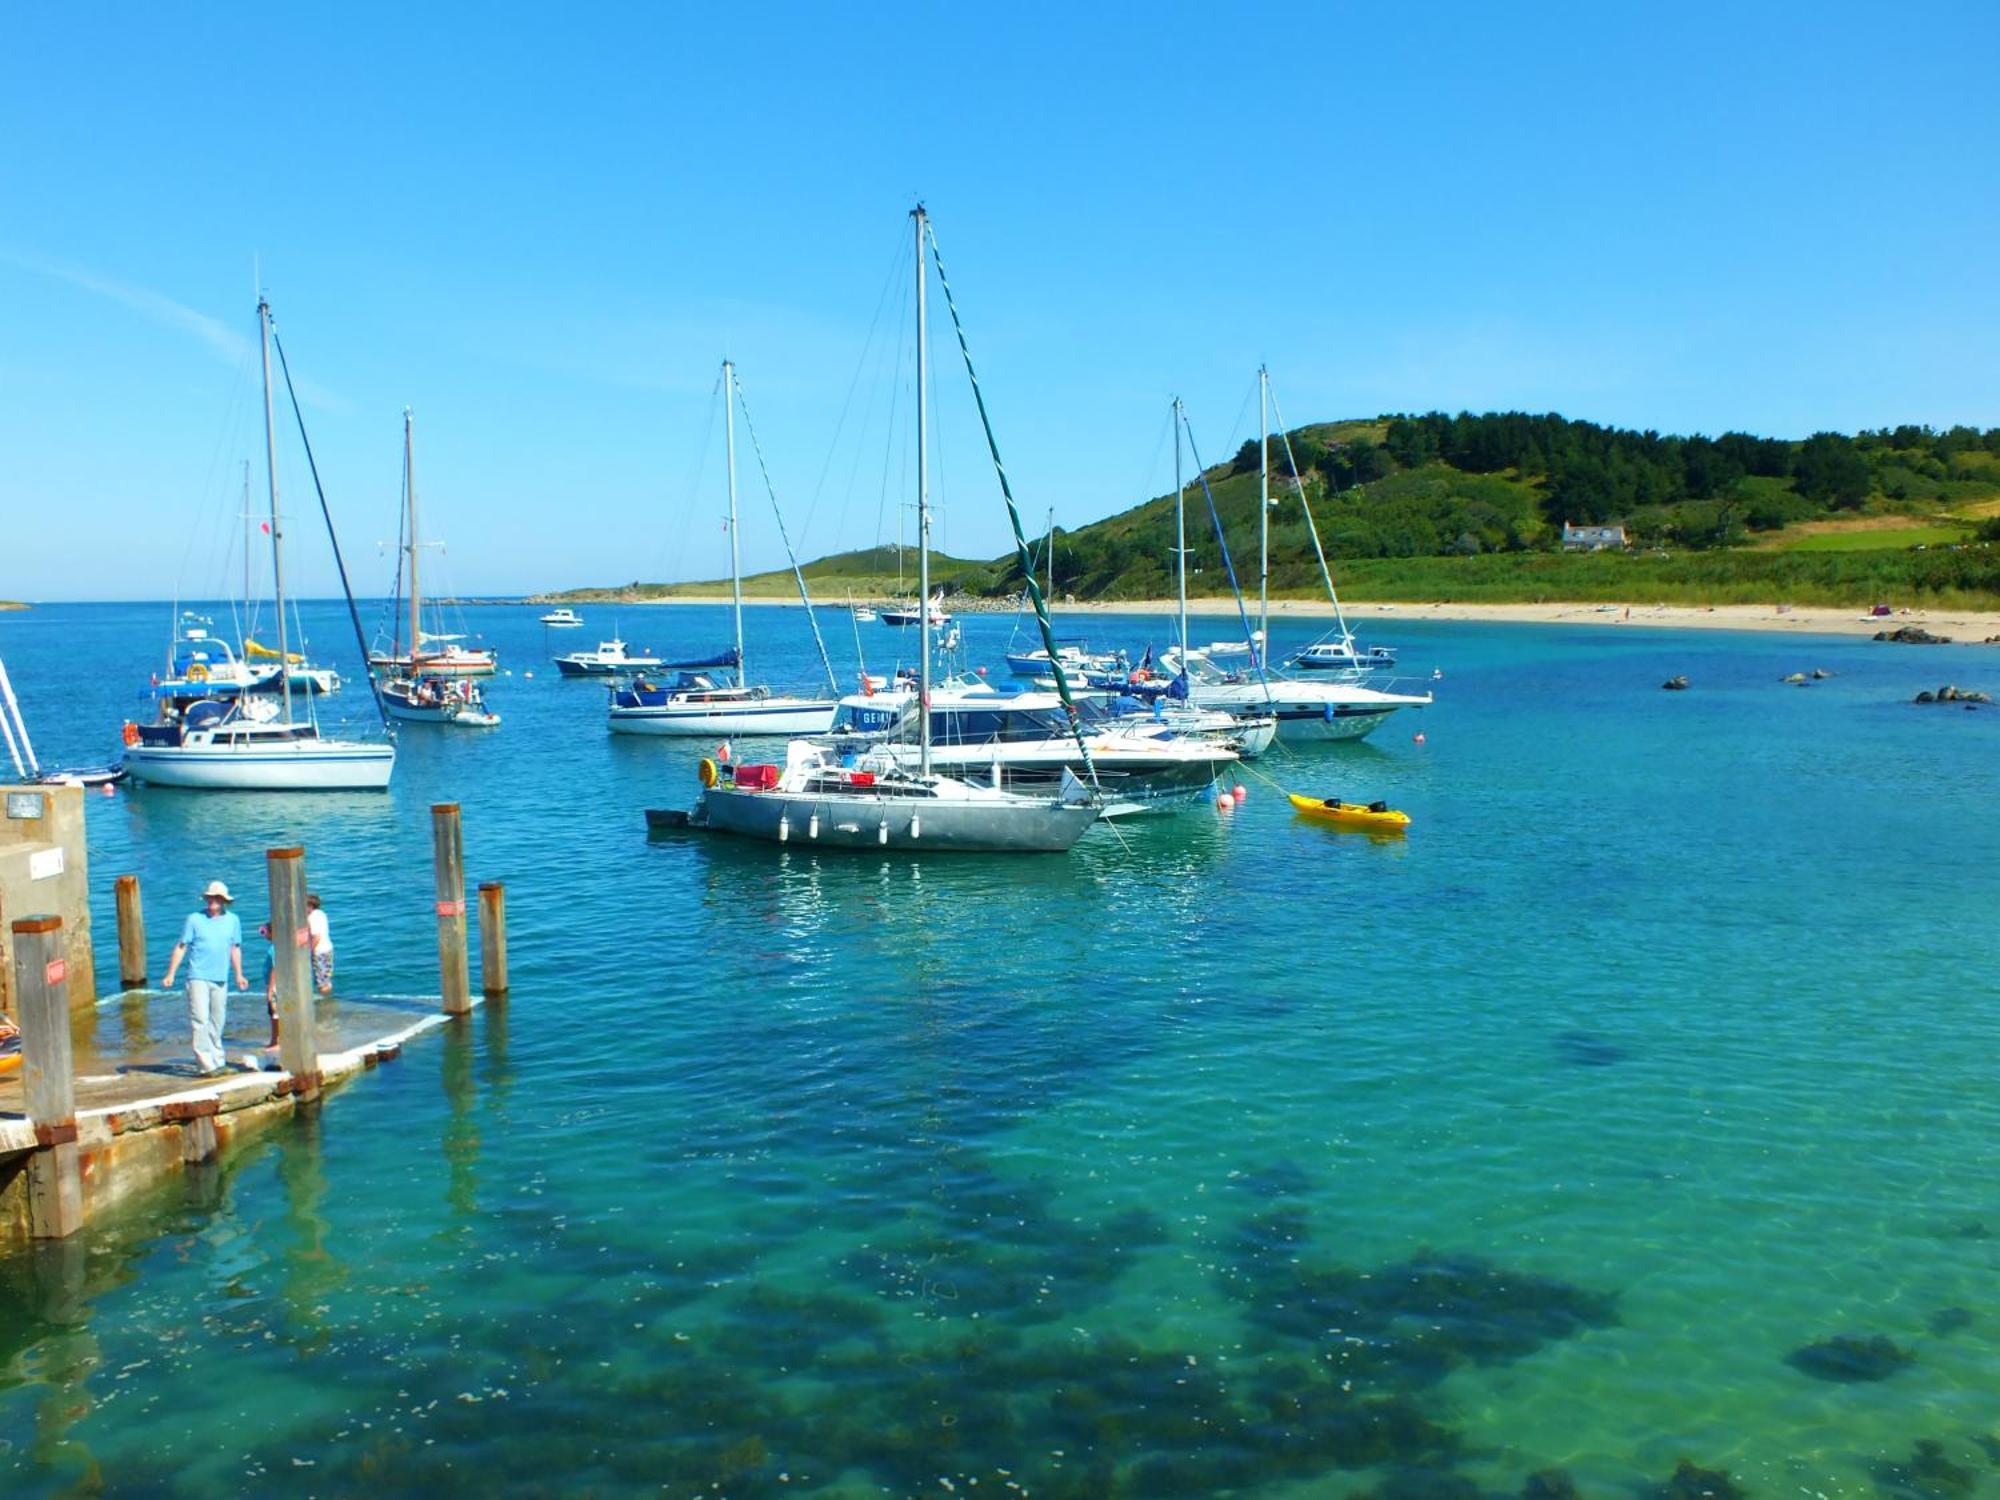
{"x": 1226, "y": 1155}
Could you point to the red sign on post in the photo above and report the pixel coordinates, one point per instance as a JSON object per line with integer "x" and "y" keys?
{"x": 57, "y": 971}
{"x": 451, "y": 908}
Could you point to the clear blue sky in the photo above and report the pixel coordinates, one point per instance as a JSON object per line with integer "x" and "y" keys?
{"x": 542, "y": 227}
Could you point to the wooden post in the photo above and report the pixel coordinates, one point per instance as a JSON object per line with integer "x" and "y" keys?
{"x": 131, "y": 935}
{"x": 291, "y": 943}
{"x": 448, "y": 856}
{"x": 48, "y": 1076}
{"x": 492, "y": 938}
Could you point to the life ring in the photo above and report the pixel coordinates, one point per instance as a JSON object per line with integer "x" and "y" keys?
{"x": 708, "y": 772}
{"x": 197, "y": 673}
{"x": 131, "y": 732}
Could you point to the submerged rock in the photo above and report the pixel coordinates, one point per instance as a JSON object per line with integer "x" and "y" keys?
{"x": 1850, "y": 1359}
{"x": 1588, "y": 1050}
{"x": 1949, "y": 1320}
{"x": 1928, "y": 1474}
{"x": 1692, "y": 1482}
{"x": 1821, "y": 673}
{"x": 1549, "y": 1484}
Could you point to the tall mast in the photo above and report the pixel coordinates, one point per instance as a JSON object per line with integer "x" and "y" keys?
{"x": 410, "y": 495}
{"x": 735, "y": 554}
{"x": 1180, "y": 526}
{"x": 918, "y": 216}
{"x": 246, "y": 546}
{"x": 1050, "y": 592}
{"x": 1263, "y": 515}
{"x": 277, "y": 527}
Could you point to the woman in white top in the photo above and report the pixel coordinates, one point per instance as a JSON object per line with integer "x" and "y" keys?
{"x": 320, "y": 932}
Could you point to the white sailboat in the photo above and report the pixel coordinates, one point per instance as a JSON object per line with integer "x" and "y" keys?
{"x": 696, "y": 704}
{"x": 253, "y": 742}
{"x": 1316, "y": 709}
{"x": 1336, "y": 652}
{"x": 876, "y": 803}
{"x": 415, "y": 694}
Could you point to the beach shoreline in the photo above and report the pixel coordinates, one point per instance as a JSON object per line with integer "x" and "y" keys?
{"x": 1964, "y": 627}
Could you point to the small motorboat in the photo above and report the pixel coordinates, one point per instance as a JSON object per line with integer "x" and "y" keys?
{"x": 562, "y": 617}
{"x": 1377, "y": 817}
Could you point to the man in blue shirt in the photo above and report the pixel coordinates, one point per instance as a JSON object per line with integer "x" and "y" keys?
{"x": 212, "y": 943}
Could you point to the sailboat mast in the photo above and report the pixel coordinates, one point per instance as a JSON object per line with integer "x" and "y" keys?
{"x": 923, "y": 522}
{"x": 410, "y": 496}
{"x": 246, "y": 546}
{"x": 1180, "y": 526}
{"x": 735, "y": 553}
{"x": 277, "y": 527}
{"x": 1263, "y": 514}
{"x": 1050, "y": 592}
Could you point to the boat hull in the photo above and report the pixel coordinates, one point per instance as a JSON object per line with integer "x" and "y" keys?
{"x": 865, "y": 823}
{"x": 769, "y": 717}
{"x": 306, "y": 767}
{"x": 436, "y": 666}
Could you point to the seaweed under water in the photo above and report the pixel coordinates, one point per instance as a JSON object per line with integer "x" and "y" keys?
{"x": 1848, "y": 1359}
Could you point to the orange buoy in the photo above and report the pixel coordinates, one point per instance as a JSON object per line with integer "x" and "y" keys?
{"x": 1239, "y": 793}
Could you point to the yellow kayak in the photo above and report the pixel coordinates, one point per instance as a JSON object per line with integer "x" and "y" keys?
{"x": 1373, "y": 816}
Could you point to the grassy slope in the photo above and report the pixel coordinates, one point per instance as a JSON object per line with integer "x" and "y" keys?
{"x": 1899, "y": 549}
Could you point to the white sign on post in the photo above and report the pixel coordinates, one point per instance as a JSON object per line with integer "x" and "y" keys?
{"x": 45, "y": 864}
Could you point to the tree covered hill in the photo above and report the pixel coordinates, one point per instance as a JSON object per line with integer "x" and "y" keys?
{"x": 1472, "y": 506}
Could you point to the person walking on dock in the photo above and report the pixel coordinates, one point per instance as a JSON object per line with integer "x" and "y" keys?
{"x": 322, "y": 944}
{"x": 212, "y": 943}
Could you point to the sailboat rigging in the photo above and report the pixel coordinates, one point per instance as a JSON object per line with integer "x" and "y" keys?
{"x": 870, "y": 801}
{"x": 249, "y": 743}
{"x": 694, "y": 703}
{"x": 415, "y": 694}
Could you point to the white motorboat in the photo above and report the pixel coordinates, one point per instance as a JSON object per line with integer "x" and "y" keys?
{"x": 1305, "y": 708}
{"x": 1340, "y": 654}
{"x": 252, "y": 742}
{"x": 562, "y": 618}
{"x": 696, "y": 704}
{"x": 914, "y": 614}
{"x": 608, "y": 660}
{"x": 863, "y": 615}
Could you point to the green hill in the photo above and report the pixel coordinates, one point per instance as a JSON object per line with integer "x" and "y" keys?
{"x": 870, "y": 573}
{"x": 1473, "y": 507}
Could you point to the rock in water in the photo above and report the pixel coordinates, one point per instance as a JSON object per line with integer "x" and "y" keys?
{"x": 1913, "y": 635}
{"x": 1675, "y": 684}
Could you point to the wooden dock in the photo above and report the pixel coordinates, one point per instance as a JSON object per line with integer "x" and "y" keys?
{"x": 107, "y": 1098}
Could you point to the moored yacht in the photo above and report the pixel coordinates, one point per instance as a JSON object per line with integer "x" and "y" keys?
{"x": 252, "y": 742}
{"x": 608, "y": 660}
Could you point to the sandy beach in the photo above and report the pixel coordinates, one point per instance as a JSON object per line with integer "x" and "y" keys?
{"x": 1964, "y": 627}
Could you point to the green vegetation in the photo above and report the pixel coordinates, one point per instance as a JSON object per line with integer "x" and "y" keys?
{"x": 1472, "y": 507}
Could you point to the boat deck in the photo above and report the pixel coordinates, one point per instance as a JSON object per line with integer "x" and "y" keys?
{"x": 132, "y": 1054}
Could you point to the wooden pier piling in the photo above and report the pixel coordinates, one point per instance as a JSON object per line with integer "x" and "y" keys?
{"x": 492, "y": 939}
{"x": 291, "y": 944}
{"x": 448, "y": 857}
{"x": 41, "y": 991}
{"x": 131, "y": 935}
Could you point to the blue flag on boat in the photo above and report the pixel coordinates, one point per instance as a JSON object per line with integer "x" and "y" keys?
{"x": 1178, "y": 688}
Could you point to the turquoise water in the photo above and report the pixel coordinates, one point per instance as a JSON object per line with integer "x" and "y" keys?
{"x": 1235, "y": 1155}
